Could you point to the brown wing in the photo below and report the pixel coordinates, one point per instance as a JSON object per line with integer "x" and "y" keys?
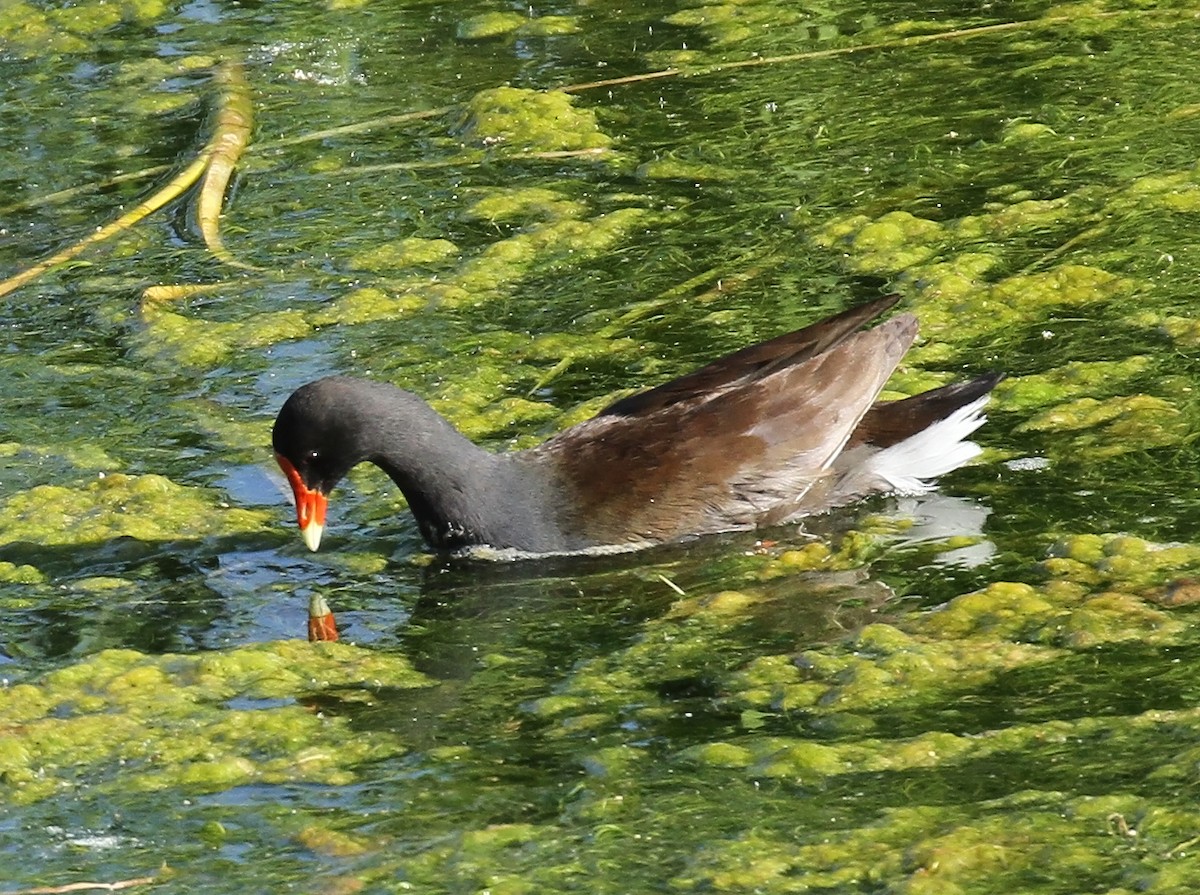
{"x": 740, "y": 457}
{"x": 755, "y": 361}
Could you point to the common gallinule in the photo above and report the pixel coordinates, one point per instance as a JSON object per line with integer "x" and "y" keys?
{"x": 779, "y": 430}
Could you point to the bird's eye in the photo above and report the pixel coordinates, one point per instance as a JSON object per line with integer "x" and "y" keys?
{"x": 313, "y": 455}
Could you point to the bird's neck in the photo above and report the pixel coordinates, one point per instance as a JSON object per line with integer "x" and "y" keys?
{"x": 460, "y": 494}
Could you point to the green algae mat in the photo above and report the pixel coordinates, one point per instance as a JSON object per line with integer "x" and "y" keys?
{"x": 520, "y": 213}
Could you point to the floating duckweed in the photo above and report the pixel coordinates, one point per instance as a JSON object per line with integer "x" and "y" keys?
{"x": 101, "y": 584}
{"x": 493, "y": 416}
{"x": 672, "y": 168}
{"x": 1121, "y": 561}
{"x": 726, "y": 23}
{"x": 765, "y": 671}
{"x": 544, "y": 247}
{"x": 801, "y": 760}
{"x": 855, "y": 549}
{"x": 498, "y": 24}
{"x": 489, "y": 24}
{"x": 162, "y": 722}
{"x": 1120, "y": 424}
{"x": 213, "y": 833}
{"x": 840, "y": 230}
{"x": 883, "y": 639}
{"x": 927, "y": 750}
{"x": 806, "y": 760}
{"x": 138, "y": 678}
{"x": 1184, "y": 331}
{"x": 675, "y": 58}
{"x": 718, "y": 755}
{"x": 403, "y": 253}
{"x": 372, "y": 303}
{"x": 1063, "y": 611}
{"x": 1113, "y": 617}
{"x": 957, "y": 278}
{"x": 748, "y": 863}
{"x": 478, "y": 394}
{"x": 962, "y": 854}
{"x": 549, "y": 26}
{"x": 1087, "y": 412}
{"x": 143, "y": 71}
{"x": 331, "y": 843}
{"x": 1025, "y": 131}
{"x": 810, "y": 556}
{"x": 232, "y": 431}
{"x": 613, "y": 761}
{"x": 794, "y": 697}
{"x": 526, "y": 203}
{"x": 24, "y": 28}
{"x": 502, "y": 835}
{"x": 1071, "y": 380}
{"x": 86, "y": 457}
{"x": 727, "y": 602}
{"x": 871, "y": 676}
{"x": 22, "y": 702}
{"x": 1021, "y": 217}
{"x": 531, "y": 120}
{"x": 939, "y": 850}
{"x": 1010, "y": 192}
{"x": 330, "y": 163}
{"x": 1186, "y": 200}
{"x": 148, "y": 507}
{"x": 494, "y": 272}
{"x": 1151, "y": 184}
{"x": 1072, "y": 570}
{"x": 586, "y": 722}
{"x": 1127, "y": 545}
{"x": 1015, "y": 300}
{"x": 895, "y": 242}
{"x": 1177, "y": 191}
{"x": 202, "y": 343}
{"x": 1084, "y": 548}
{"x": 157, "y": 104}
{"x": 956, "y": 302}
{"x": 356, "y": 563}
{"x": 218, "y": 774}
{"x": 1003, "y": 609}
{"x": 555, "y": 706}
{"x": 12, "y": 573}
{"x": 1153, "y": 822}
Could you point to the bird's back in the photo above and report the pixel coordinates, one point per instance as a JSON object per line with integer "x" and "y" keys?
{"x": 711, "y": 459}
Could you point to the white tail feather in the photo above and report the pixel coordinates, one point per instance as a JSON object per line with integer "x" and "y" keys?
{"x": 932, "y": 452}
{"x": 908, "y": 466}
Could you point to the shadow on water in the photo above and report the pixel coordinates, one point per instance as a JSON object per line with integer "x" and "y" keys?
{"x": 602, "y": 600}
{"x": 502, "y": 638}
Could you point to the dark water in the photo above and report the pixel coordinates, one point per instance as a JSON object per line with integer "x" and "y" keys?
{"x": 999, "y": 699}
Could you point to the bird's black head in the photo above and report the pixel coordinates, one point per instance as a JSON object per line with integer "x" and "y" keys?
{"x": 316, "y": 432}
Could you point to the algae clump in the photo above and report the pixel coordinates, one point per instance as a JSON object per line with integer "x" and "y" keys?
{"x": 124, "y": 720}
{"x": 498, "y": 24}
{"x": 531, "y": 121}
{"x": 146, "y": 507}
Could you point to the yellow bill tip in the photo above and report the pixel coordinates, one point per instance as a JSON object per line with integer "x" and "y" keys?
{"x": 312, "y": 535}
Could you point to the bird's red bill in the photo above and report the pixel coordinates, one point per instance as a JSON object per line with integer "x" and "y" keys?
{"x": 310, "y": 504}
{"x": 321, "y": 624}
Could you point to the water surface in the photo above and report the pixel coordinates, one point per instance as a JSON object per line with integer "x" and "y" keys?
{"x": 989, "y": 692}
